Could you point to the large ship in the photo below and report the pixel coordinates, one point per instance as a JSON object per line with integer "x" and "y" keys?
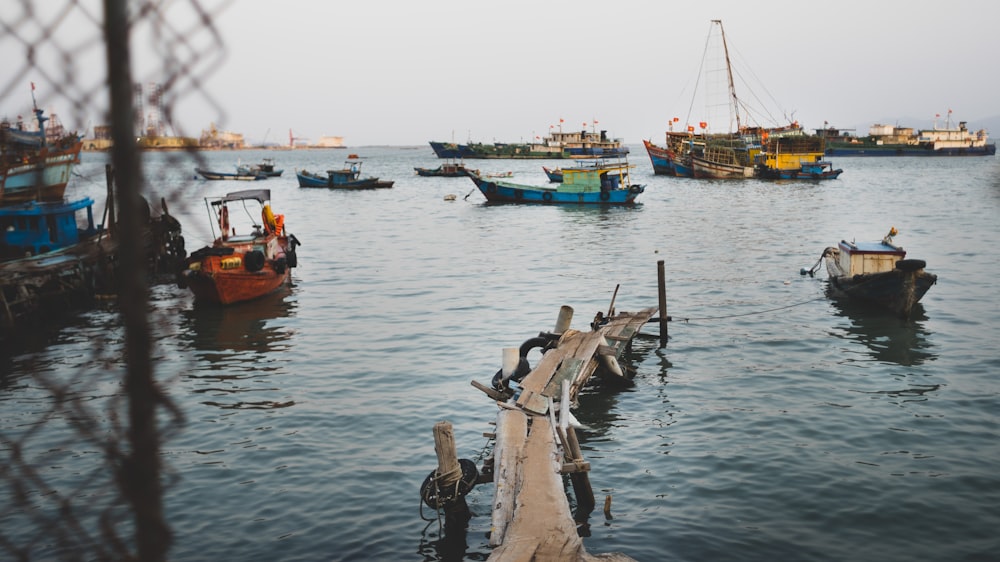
{"x": 557, "y": 145}
{"x": 889, "y": 140}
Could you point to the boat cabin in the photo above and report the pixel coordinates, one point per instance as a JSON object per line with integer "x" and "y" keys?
{"x": 869, "y": 257}
{"x": 36, "y": 228}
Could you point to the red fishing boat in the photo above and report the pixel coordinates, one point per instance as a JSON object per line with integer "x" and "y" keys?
{"x": 252, "y": 256}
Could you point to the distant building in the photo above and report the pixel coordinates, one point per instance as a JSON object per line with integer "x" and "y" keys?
{"x": 330, "y": 142}
{"x": 215, "y": 139}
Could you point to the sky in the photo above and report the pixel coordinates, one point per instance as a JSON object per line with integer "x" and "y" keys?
{"x": 405, "y": 72}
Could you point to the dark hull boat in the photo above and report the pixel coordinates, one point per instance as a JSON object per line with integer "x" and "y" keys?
{"x": 876, "y": 273}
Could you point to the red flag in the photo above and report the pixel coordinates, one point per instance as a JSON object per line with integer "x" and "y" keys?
{"x": 702, "y": 124}
{"x": 595, "y": 121}
{"x": 676, "y": 119}
{"x": 560, "y": 119}
{"x": 32, "y": 86}
{"x": 690, "y": 128}
{"x": 584, "y": 123}
{"x": 936, "y": 115}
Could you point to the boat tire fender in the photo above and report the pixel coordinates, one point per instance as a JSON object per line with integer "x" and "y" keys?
{"x": 491, "y": 188}
{"x": 547, "y": 196}
{"x": 254, "y": 260}
{"x": 605, "y": 195}
{"x": 280, "y": 264}
{"x": 910, "y": 265}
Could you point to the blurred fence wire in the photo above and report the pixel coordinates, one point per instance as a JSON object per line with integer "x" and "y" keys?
{"x": 109, "y": 419}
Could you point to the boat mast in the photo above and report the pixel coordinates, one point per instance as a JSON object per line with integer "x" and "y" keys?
{"x": 729, "y": 73}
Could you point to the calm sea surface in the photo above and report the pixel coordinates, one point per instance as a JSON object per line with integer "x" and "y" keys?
{"x": 775, "y": 425}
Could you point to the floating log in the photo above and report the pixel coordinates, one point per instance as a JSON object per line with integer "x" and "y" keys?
{"x": 536, "y": 443}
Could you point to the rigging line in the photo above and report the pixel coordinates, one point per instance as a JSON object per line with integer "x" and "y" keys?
{"x": 750, "y": 313}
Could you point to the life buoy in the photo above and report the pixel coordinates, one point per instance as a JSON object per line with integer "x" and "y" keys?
{"x": 547, "y": 196}
{"x": 605, "y": 195}
{"x": 224, "y": 221}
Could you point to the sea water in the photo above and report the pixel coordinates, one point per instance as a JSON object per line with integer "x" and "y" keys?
{"x": 776, "y": 424}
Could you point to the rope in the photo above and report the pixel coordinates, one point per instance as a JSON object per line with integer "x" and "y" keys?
{"x": 752, "y": 313}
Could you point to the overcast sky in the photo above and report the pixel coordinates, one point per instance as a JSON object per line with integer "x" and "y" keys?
{"x": 404, "y": 72}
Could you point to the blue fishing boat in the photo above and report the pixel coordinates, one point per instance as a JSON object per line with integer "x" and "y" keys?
{"x": 348, "y": 177}
{"x": 818, "y": 170}
{"x": 555, "y": 175}
{"x": 34, "y": 228}
{"x": 584, "y": 185}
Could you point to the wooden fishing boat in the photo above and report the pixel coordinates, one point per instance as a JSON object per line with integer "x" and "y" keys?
{"x": 580, "y": 185}
{"x": 349, "y": 177}
{"x": 795, "y": 157}
{"x": 238, "y": 176}
{"x": 265, "y": 168}
{"x": 32, "y": 166}
{"x": 246, "y": 261}
{"x": 876, "y": 273}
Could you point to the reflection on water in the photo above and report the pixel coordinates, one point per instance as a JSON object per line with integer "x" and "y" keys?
{"x": 889, "y": 338}
{"x": 237, "y": 345}
{"x": 225, "y": 330}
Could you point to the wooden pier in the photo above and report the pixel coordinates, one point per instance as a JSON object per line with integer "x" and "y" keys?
{"x": 535, "y": 439}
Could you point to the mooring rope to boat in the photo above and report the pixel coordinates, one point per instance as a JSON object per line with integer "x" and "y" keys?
{"x": 689, "y": 319}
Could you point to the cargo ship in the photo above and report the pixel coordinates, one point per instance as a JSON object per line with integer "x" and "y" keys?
{"x": 557, "y": 145}
{"x": 889, "y": 140}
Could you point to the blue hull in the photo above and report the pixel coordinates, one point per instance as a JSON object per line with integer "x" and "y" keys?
{"x": 496, "y": 192}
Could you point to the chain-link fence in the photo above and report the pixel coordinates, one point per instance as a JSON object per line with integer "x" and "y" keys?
{"x": 80, "y": 56}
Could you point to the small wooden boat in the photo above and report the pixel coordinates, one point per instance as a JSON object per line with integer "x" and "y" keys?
{"x": 348, "y": 177}
{"x": 448, "y": 170}
{"x": 583, "y": 185}
{"x": 265, "y": 168}
{"x": 246, "y": 261}
{"x": 877, "y": 273}
{"x": 214, "y": 176}
{"x": 33, "y": 168}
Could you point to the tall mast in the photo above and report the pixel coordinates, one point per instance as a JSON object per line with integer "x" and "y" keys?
{"x": 729, "y": 73}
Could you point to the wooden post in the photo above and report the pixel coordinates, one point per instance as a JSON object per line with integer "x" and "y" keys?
{"x": 564, "y": 319}
{"x": 449, "y": 471}
{"x": 662, "y": 286}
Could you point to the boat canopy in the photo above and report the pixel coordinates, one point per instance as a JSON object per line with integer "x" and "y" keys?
{"x": 261, "y": 195}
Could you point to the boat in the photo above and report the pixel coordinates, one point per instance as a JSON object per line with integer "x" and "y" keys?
{"x": 35, "y": 165}
{"x": 708, "y": 150}
{"x": 238, "y": 176}
{"x": 245, "y": 261}
{"x": 35, "y": 228}
{"x": 889, "y": 140}
{"x": 876, "y": 273}
{"x": 582, "y": 185}
{"x": 558, "y": 144}
{"x": 795, "y": 158}
{"x": 349, "y": 177}
{"x": 447, "y": 170}
{"x": 265, "y": 167}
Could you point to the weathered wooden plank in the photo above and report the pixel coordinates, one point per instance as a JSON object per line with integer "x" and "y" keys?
{"x": 512, "y": 430}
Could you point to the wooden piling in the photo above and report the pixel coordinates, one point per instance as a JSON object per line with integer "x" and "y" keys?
{"x": 449, "y": 471}
{"x": 662, "y": 286}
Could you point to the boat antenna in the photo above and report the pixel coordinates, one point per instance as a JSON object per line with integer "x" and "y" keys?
{"x": 729, "y": 74}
